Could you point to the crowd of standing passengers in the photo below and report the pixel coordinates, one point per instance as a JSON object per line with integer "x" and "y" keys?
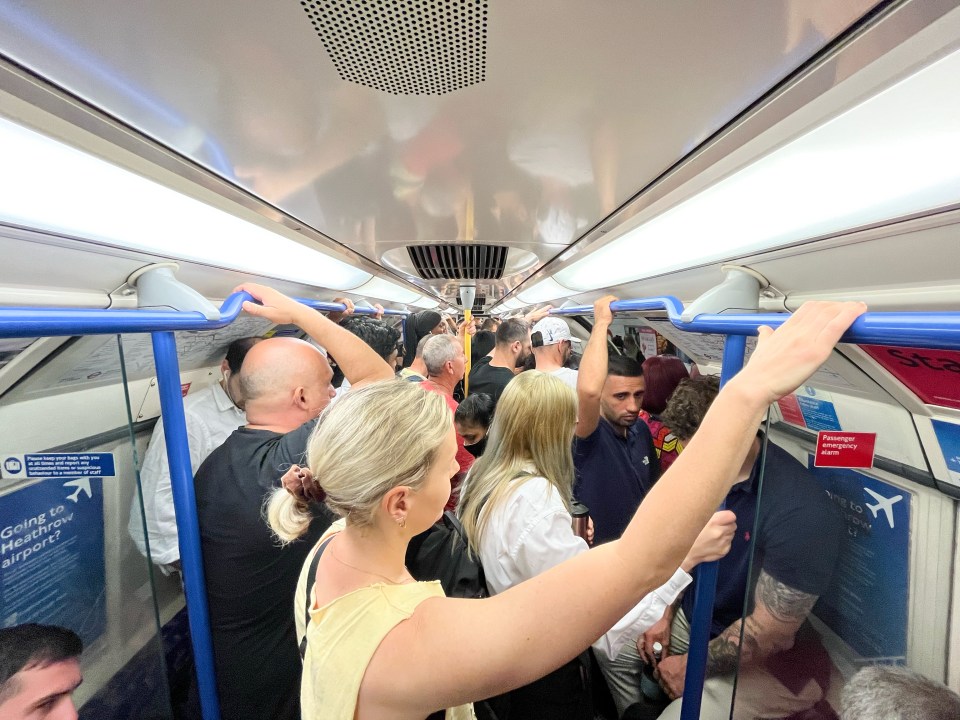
{"x": 397, "y": 443}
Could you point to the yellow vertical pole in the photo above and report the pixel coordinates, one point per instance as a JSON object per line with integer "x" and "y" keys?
{"x": 467, "y": 313}
{"x": 469, "y": 230}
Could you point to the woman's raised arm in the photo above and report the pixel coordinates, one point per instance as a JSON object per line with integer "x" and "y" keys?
{"x": 454, "y": 651}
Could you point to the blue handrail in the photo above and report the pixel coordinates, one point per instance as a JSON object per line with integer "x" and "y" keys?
{"x": 339, "y": 307}
{"x": 188, "y": 527}
{"x": 705, "y": 592}
{"x": 49, "y": 322}
{"x": 925, "y": 330}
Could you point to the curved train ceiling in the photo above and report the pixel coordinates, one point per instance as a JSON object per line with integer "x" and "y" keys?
{"x": 386, "y": 125}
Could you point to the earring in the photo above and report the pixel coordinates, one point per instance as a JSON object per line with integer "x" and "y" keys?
{"x": 402, "y": 522}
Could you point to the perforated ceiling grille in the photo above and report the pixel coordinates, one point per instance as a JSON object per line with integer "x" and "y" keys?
{"x": 458, "y": 262}
{"x": 404, "y": 47}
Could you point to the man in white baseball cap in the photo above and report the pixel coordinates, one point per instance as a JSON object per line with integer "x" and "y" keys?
{"x": 552, "y": 346}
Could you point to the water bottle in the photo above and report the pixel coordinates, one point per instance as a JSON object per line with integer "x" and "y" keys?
{"x": 580, "y": 514}
{"x": 649, "y": 687}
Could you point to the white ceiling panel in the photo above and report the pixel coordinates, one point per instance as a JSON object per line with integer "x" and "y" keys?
{"x": 551, "y": 114}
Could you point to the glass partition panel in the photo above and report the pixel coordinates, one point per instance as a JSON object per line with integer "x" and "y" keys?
{"x": 69, "y": 480}
{"x": 821, "y": 569}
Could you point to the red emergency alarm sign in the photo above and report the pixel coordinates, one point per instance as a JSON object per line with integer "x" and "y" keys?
{"x": 841, "y": 449}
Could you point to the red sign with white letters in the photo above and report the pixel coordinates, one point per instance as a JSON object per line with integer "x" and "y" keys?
{"x": 932, "y": 375}
{"x": 841, "y": 449}
{"x": 185, "y": 388}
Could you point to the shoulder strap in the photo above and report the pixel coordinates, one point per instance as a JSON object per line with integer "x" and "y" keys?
{"x": 311, "y": 579}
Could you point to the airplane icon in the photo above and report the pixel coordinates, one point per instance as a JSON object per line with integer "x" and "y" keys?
{"x": 83, "y": 485}
{"x": 885, "y": 504}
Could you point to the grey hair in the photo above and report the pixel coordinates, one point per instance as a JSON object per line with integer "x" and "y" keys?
{"x": 422, "y": 344}
{"x": 440, "y": 350}
{"x": 896, "y": 693}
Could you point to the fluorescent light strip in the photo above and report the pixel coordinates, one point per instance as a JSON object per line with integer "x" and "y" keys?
{"x": 50, "y": 186}
{"x": 386, "y": 290}
{"x": 425, "y": 302}
{"x": 895, "y": 154}
{"x": 546, "y": 289}
{"x": 511, "y": 304}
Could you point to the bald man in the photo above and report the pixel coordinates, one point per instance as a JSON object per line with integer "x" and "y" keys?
{"x": 250, "y": 579}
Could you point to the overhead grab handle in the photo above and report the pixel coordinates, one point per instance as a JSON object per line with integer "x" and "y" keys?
{"x": 738, "y": 293}
{"x": 158, "y": 289}
{"x": 468, "y": 293}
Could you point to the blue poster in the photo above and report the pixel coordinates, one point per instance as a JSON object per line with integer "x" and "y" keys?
{"x": 948, "y": 435}
{"x": 51, "y": 555}
{"x": 866, "y": 604}
{"x": 818, "y": 414}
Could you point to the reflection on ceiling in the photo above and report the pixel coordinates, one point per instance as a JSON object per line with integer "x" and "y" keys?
{"x": 534, "y": 122}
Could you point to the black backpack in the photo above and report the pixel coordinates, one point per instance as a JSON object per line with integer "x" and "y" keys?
{"x": 441, "y": 553}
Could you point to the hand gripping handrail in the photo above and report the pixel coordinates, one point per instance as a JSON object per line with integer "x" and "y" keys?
{"x": 339, "y": 307}
{"x": 48, "y": 322}
{"x": 908, "y": 329}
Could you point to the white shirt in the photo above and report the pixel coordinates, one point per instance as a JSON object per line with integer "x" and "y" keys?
{"x": 567, "y": 375}
{"x": 340, "y": 391}
{"x": 211, "y": 417}
{"x": 530, "y": 531}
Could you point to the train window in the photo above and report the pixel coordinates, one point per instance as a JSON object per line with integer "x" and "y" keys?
{"x": 819, "y": 583}
{"x": 69, "y": 480}
{"x": 12, "y": 347}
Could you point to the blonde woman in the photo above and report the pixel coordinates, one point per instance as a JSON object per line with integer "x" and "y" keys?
{"x": 515, "y": 509}
{"x": 380, "y": 645}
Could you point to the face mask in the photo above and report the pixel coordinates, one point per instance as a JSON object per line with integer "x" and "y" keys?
{"x": 477, "y": 448}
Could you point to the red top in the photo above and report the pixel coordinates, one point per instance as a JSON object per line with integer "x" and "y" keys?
{"x": 463, "y": 455}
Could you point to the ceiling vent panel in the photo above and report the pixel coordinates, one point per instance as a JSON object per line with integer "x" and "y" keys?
{"x": 404, "y": 47}
{"x": 458, "y": 262}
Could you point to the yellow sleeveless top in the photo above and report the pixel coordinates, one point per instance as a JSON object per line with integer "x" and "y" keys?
{"x": 341, "y": 639}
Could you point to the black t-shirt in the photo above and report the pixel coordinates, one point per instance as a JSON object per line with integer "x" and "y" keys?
{"x": 489, "y": 379}
{"x": 798, "y": 536}
{"x": 251, "y": 580}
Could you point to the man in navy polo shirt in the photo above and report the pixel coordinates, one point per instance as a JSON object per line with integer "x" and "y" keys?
{"x": 613, "y": 451}
{"x": 795, "y": 535}
{"x": 616, "y": 464}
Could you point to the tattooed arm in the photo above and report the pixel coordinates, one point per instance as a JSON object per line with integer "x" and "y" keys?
{"x": 779, "y": 611}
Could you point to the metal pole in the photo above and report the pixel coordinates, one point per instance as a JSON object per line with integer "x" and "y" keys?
{"x": 185, "y": 506}
{"x": 706, "y": 587}
{"x": 467, "y": 351}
